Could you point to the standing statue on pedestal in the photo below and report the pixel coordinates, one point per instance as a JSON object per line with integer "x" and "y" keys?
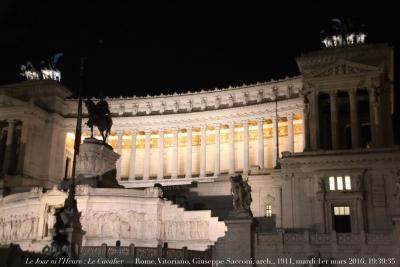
{"x": 241, "y": 192}
{"x": 100, "y": 116}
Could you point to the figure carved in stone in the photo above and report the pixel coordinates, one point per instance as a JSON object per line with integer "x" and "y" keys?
{"x": 241, "y": 192}
{"x": 135, "y": 109}
{"x": 377, "y": 94}
{"x": 259, "y": 96}
{"x": 51, "y": 212}
{"x": 230, "y": 101}
{"x": 148, "y": 108}
{"x": 189, "y": 105}
{"x": 121, "y": 109}
{"x": 100, "y": 116}
{"x": 162, "y": 107}
{"x": 397, "y": 190}
{"x": 175, "y": 107}
{"x": 321, "y": 185}
{"x": 245, "y": 98}
{"x": 203, "y": 104}
{"x": 306, "y": 102}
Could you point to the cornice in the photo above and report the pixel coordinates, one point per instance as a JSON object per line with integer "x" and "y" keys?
{"x": 210, "y": 117}
{"x": 199, "y": 101}
{"x": 308, "y": 62}
{"x": 341, "y": 159}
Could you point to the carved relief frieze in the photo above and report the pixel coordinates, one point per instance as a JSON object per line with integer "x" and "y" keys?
{"x": 18, "y": 227}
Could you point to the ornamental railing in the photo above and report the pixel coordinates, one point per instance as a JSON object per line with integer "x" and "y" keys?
{"x": 134, "y": 255}
{"x": 310, "y": 238}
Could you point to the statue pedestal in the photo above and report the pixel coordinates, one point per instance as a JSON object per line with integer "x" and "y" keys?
{"x": 240, "y": 214}
{"x": 237, "y": 244}
{"x": 396, "y": 235}
{"x": 97, "y": 164}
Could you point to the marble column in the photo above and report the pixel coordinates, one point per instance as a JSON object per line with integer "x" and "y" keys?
{"x": 146, "y": 157}
{"x": 24, "y": 151}
{"x": 132, "y": 160}
{"x": 355, "y": 128}
{"x": 160, "y": 169}
{"x": 373, "y": 94}
{"x": 231, "y": 148}
{"x": 3, "y": 135}
{"x": 314, "y": 121}
{"x": 217, "y": 150}
{"x": 120, "y": 134}
{"x": 203, "y": 149}
{"x": 278, "y": 206}
{"x": 275, "y": 134}
{"x": 334, "y": 119}
{"x": 9, "y": 150}
{"x": 245, "y": 147}
{"x": 174, "y": 162}
{"x": 360, "y": 215}
{"x": 260, "y": 144}
{"x": 306, "y": 127}
{"x": 290, "y": 133}
{"x": 188, "y": 166}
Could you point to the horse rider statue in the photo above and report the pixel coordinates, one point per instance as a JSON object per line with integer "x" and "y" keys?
{"x": 100, "y": 116}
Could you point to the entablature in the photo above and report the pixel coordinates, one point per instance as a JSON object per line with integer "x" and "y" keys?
{"x": 196, "y": 119}
{"x": 379, "y": 158}
{"x": 219, "y": 99}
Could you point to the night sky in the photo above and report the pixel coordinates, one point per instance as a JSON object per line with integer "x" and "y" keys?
{"x": 168, "y": 46}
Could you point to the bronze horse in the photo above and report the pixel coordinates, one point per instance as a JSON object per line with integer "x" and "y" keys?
{"x": 100, "y": 116}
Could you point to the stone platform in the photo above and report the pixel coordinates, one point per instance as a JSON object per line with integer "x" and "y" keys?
{"x": 138, "y": 217}
{"x": 97, "y": 164}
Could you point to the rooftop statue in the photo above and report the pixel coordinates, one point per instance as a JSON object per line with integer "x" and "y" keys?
{"x": 100, "y": 116}
{"x": 29, "y": 71}
{"x": 48, "y": 69}
{"x": 342, "y": 33}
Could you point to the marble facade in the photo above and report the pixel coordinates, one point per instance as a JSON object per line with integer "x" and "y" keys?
{"x": 334, "y": 120}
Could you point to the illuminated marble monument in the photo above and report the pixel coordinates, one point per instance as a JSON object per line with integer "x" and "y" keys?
{"x": 336, "y": 191}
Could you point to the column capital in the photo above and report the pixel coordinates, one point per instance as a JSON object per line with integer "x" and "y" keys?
{"x": 231, "y": 124}
{"x": 189, "y": 128}
{"x": 245, "y": 123}
{"x": 217, "y": 126}
{"x": 273, "y": 117}
{"x": 161, "y": 130}
{"x": 119, "y": 132}
{"x": 289, "y": 116}
{"x": 374, "y": 94}
{"x": 260, "y": 120}
{"x": 134, "y": 131}
{"x": 147, "y": 131}
{"x": 203, "y": 127}
{"x": 352, "y": 91}
{"x": 333, "y": 93}
{"x": 175, "y": 129}
{"x": 11, "y": 122}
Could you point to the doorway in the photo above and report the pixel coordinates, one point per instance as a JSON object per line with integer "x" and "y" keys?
{"x": 341, "y": 219}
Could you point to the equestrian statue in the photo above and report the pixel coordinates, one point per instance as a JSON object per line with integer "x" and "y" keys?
{"x": 100, "y": 116}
